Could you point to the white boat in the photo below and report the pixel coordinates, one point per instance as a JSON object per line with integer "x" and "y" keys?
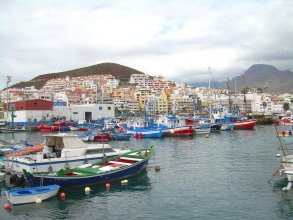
{"x": 32, "y": 194}
{"x": 199, "y": 129}
{"x": 13, "y": 130}
{"x": 61, "y": 151}
{"x": 73, "y": 128}
{"x": 83, "y": 137}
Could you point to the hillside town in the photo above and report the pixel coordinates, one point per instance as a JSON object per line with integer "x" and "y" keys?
{"x": 92, "y": 97}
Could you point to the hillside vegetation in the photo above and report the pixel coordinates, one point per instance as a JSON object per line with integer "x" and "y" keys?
{"x": 119, "y": 71}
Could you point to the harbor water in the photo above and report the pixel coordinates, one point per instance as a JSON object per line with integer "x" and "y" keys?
{"x": 224, "y": 176}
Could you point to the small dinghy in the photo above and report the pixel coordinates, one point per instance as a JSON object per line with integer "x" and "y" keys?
{"x": 30, "y": 195}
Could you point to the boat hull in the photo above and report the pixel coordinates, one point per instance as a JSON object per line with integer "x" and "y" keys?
{"x": 245, "y": 125}
{"x": 30, "y": 195}
{"x": 147, "y": 134}
{"x": 13, "y": 130}
{"x": 72, "y": 181}
{"x": 179, "y": 131}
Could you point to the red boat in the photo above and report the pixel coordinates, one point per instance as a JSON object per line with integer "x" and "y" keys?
{"x": 244, "y": 125}
{"x": 36, "y": 149}
{"x": 189, "y": 121}
{"x": 178, "y": 131}
{"x": 83, "y": 129}
{"x": 102, "y": 136}
{"x": 286, "y": 121}
{"x": 49, "y": 128}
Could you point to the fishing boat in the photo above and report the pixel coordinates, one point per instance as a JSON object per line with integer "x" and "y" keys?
{"x": 216, "y": 127}
{"x": 202, "y": 130}
{"x": 102, "y": 136}
{"x": 48, "y": 128}
{"x": 146, "y": 133}
{"x": 244, "y": 125}
{"x": 13, "y": 130}
{"x": 29, "y": 195}
{"x": 115, "y": 136}
{"x": 60, "y": 151}
{"x": 285, "y": 170}
{"x": 179, "y": 131}
{"x": 73, "y": 128}
{"x": 116, "y": 168}
{"x": 286, "y": 121}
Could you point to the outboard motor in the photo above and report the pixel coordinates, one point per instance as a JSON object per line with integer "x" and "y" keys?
{"x": 13, "y": 178}
{"x": 20, "y": 180}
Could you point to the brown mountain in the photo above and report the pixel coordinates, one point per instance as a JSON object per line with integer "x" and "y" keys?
{"x": 265, "y": 77}
{"x": 119, "y": 71}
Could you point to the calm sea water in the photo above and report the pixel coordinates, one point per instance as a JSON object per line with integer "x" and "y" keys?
{"x": 224, "y": 176}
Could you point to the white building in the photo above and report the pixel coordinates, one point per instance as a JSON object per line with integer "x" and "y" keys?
{"x": 87, "y": 112}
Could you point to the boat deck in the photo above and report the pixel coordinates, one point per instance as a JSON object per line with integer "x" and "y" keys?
{"x": 92, "y": 169}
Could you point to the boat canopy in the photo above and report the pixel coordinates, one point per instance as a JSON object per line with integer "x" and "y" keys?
{"x": 60, "y": 142}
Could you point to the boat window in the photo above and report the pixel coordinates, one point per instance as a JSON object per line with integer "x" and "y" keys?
{"x": 99, "y": 151}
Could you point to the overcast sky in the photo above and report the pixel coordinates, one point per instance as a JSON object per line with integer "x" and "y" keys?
{"x": 177, "y": 39}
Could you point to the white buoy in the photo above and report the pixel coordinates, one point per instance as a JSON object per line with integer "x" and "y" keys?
{"x": 38, "y": 201}
{"x": 289, "y": 186}
{"x": 125, "y": 181}
{"x": 87, "y": 189}
{"x": 278, "y": 155}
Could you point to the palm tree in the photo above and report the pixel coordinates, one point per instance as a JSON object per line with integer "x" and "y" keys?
{"x": 286, "y": 106}
{"x": 265, "y": 104}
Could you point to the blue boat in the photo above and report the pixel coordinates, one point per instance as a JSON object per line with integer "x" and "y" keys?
{"x": 115, "y": 136}
{"x": 146, "y": 133}
{"x": 120, "y": 167}
{"x": 29, "y": 195}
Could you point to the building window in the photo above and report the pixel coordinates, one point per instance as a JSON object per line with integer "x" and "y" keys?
{"x": 109, "y": 108}
{"x": 100, "y": 108}
{"x": 35, "y": 104}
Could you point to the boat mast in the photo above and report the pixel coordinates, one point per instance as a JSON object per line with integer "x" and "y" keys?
{"x": 244, "y": 98}
{"x": 210, "y": 104}
{"x": 228, "y": 87}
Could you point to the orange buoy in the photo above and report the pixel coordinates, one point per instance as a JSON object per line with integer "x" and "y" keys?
{"x": 140, "y": 134}
{"x": 6, "y": 206}
{"x": 108, "y": 185}
{"x": 62, "y": 195}
{"x": 207, "y": 136}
